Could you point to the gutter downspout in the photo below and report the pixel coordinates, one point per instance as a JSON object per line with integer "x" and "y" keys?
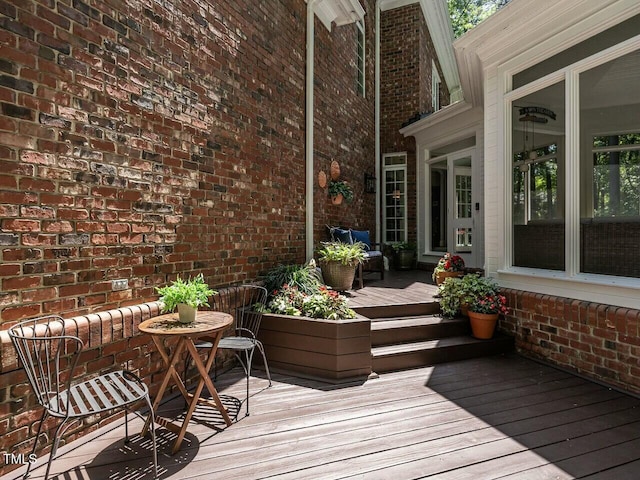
{"x": 309, "y": 131}
{"x": 378, "y": 169}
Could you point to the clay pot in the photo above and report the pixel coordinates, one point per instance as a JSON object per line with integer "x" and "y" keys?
{"x": 483, "y": 324}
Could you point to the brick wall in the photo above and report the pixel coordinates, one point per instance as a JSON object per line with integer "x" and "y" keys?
{"x": 145, "y": 140}
{"x": 406, "y": 55}
{"x": 599, "y": 341}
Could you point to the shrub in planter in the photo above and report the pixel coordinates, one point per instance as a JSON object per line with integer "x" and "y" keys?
{"x": 455, "y": 292}
{"x": 325, "y": 303}
{"x": 304, "y": 277}
{"x": 448, "y": 265}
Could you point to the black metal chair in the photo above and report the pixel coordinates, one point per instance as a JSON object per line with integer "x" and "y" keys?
{"x": 238, "y": 301}
{"x": 49, "y": 355}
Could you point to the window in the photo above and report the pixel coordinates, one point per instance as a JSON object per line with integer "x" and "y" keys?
{"x": 360, "y": 60}
{"x": 395, "y": 197}
{"x": 590, "y": 191}
{"x": 610, "y": 167}
{"x": 435, "y": 87}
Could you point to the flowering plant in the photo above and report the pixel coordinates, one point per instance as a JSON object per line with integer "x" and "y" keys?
{"x": 449, "y": 263}
{"x": 490, "y": 303}
{"x": 325, "y": 303}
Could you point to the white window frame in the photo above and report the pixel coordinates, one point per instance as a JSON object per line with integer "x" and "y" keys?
{"x": 435, "y": 87}
{"x": 386, "y": 168}
{"x": 571, "y": 282}
{"x": 361, "y": 60}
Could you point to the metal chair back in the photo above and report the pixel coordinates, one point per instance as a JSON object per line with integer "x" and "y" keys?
{"x": 240, "y": 302}
{"x": 49, "y": 357}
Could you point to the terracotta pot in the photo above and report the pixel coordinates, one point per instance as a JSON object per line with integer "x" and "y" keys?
{"x": 442, "y": 276}
{"x": 337, "y": 200}
{"x": 483, "y": 324}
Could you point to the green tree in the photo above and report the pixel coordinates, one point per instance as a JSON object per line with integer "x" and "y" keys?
{"x": 466, "y": 14}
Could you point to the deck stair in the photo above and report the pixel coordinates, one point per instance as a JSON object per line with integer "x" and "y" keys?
{"x": 415, "y": 335}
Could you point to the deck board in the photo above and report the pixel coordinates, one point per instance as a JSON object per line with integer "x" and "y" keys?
{"x": 504, "y": 414}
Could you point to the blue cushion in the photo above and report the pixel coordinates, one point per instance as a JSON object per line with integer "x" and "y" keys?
{"x": 361, "y": 236}
{"x": 341, "y": 235}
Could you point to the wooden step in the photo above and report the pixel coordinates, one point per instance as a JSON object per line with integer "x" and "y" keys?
{"x": 400, "y": 310}
{"x": 387, "y": 331}
{"x": 418, "y": 354}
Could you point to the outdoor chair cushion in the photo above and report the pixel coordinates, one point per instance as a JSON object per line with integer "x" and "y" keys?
{"x": 361, "y": 236}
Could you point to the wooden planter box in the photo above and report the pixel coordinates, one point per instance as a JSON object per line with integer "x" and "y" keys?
{"x": 329, "y": 350}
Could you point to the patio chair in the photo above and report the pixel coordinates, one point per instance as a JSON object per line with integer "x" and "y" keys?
{"x": 49, "y": 356}
{"x": 238, "y": 301}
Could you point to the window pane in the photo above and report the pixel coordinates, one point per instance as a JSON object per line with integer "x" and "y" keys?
{"x": 537, "y": 175}
{"x": 610, "y": 168}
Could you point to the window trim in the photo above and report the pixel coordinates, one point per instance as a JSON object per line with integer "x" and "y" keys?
{"x": 385, "y": 169}
{"x": 436, "y": 81}
{"x": 570, "y": 282}
{"x": 361, "y": 59}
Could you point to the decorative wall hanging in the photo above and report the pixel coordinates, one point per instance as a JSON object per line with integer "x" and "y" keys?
{"x": 322, "y": 179}
{"x": 335, "y": 170}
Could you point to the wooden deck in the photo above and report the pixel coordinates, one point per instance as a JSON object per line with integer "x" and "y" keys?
{"x": 398, "y": 287}
{"x": 494, "y": 417}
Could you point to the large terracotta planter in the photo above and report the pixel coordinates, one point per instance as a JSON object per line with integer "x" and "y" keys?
{"x": 338, "y": 276}
{"x": 483, "y": 324}
{"x": 442, "y": 276}
{"x": 330, "y": 350}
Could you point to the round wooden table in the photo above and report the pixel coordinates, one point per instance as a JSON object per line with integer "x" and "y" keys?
{"x": 207, "y": 324}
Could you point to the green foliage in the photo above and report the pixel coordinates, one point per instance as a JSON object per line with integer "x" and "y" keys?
{"x": 455, "y": 291}
{"x": 466, "y": 14}
{"x": 303, "y": 277}
{"x": 325, "y": 303}
{"x": 194, "y": 292}
{"x": 344, "y": 253}
{"x": 399, "y": 246}
{"x": 340, "y": 186}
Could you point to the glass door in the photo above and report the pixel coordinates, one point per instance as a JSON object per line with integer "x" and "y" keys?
{"x": 462, "y": 221}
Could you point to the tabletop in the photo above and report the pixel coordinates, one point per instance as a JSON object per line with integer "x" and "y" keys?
{"x": 168, "y": 324}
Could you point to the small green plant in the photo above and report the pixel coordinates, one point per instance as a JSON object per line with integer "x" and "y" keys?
{"x": 345, "y": 253}
{"x": 194, "y": 292}
{"x": 303, "y": 277}
{"x": 401, "y": 246}
{"x": 337, "y": 187}
{"x": 450, "y": 295}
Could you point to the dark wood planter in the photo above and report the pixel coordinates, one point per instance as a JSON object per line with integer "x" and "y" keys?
{"x": 330, "y": 350}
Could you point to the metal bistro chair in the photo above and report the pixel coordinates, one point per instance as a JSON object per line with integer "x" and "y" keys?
{"x": 238, "y": 301}
{"x": 49, "y": 356}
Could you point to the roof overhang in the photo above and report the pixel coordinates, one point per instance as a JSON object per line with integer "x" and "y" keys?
{"x": 540, "y": 29}
{"x": 340, "y": 12}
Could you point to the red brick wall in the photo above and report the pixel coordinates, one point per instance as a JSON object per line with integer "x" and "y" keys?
{"x": 599, "y": 341}
{"x": 405, "y": 56}
{"x": 149, "y": 140}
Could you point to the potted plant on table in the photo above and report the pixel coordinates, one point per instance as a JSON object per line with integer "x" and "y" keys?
{"x": 484, "y": 313}
{"x": 340, "y": 190}
{"x": 338, "y": 262}
{"x": 186, "y": 296}
{"x": 448, "y": 266}
{"x": 403, "y": 255}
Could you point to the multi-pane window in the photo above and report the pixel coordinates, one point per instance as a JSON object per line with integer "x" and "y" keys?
{"x": 435, "y": 87}
{"x": 360, "y": 60}
{"x": 395, "y": 198}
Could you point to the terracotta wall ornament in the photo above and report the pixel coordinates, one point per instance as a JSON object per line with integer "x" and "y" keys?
{"x": 335, "y": 170}
{"x": 322, "y": 179}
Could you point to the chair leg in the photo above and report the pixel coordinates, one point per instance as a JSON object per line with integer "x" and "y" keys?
{"x": 126, "y": 426}
{"x": 54, "y": 448}
{"x": 153, "y": 436}
{"x": 249, "y": 356}
{"x": 35, "y": 444}
{"x": 264, "y": 360}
